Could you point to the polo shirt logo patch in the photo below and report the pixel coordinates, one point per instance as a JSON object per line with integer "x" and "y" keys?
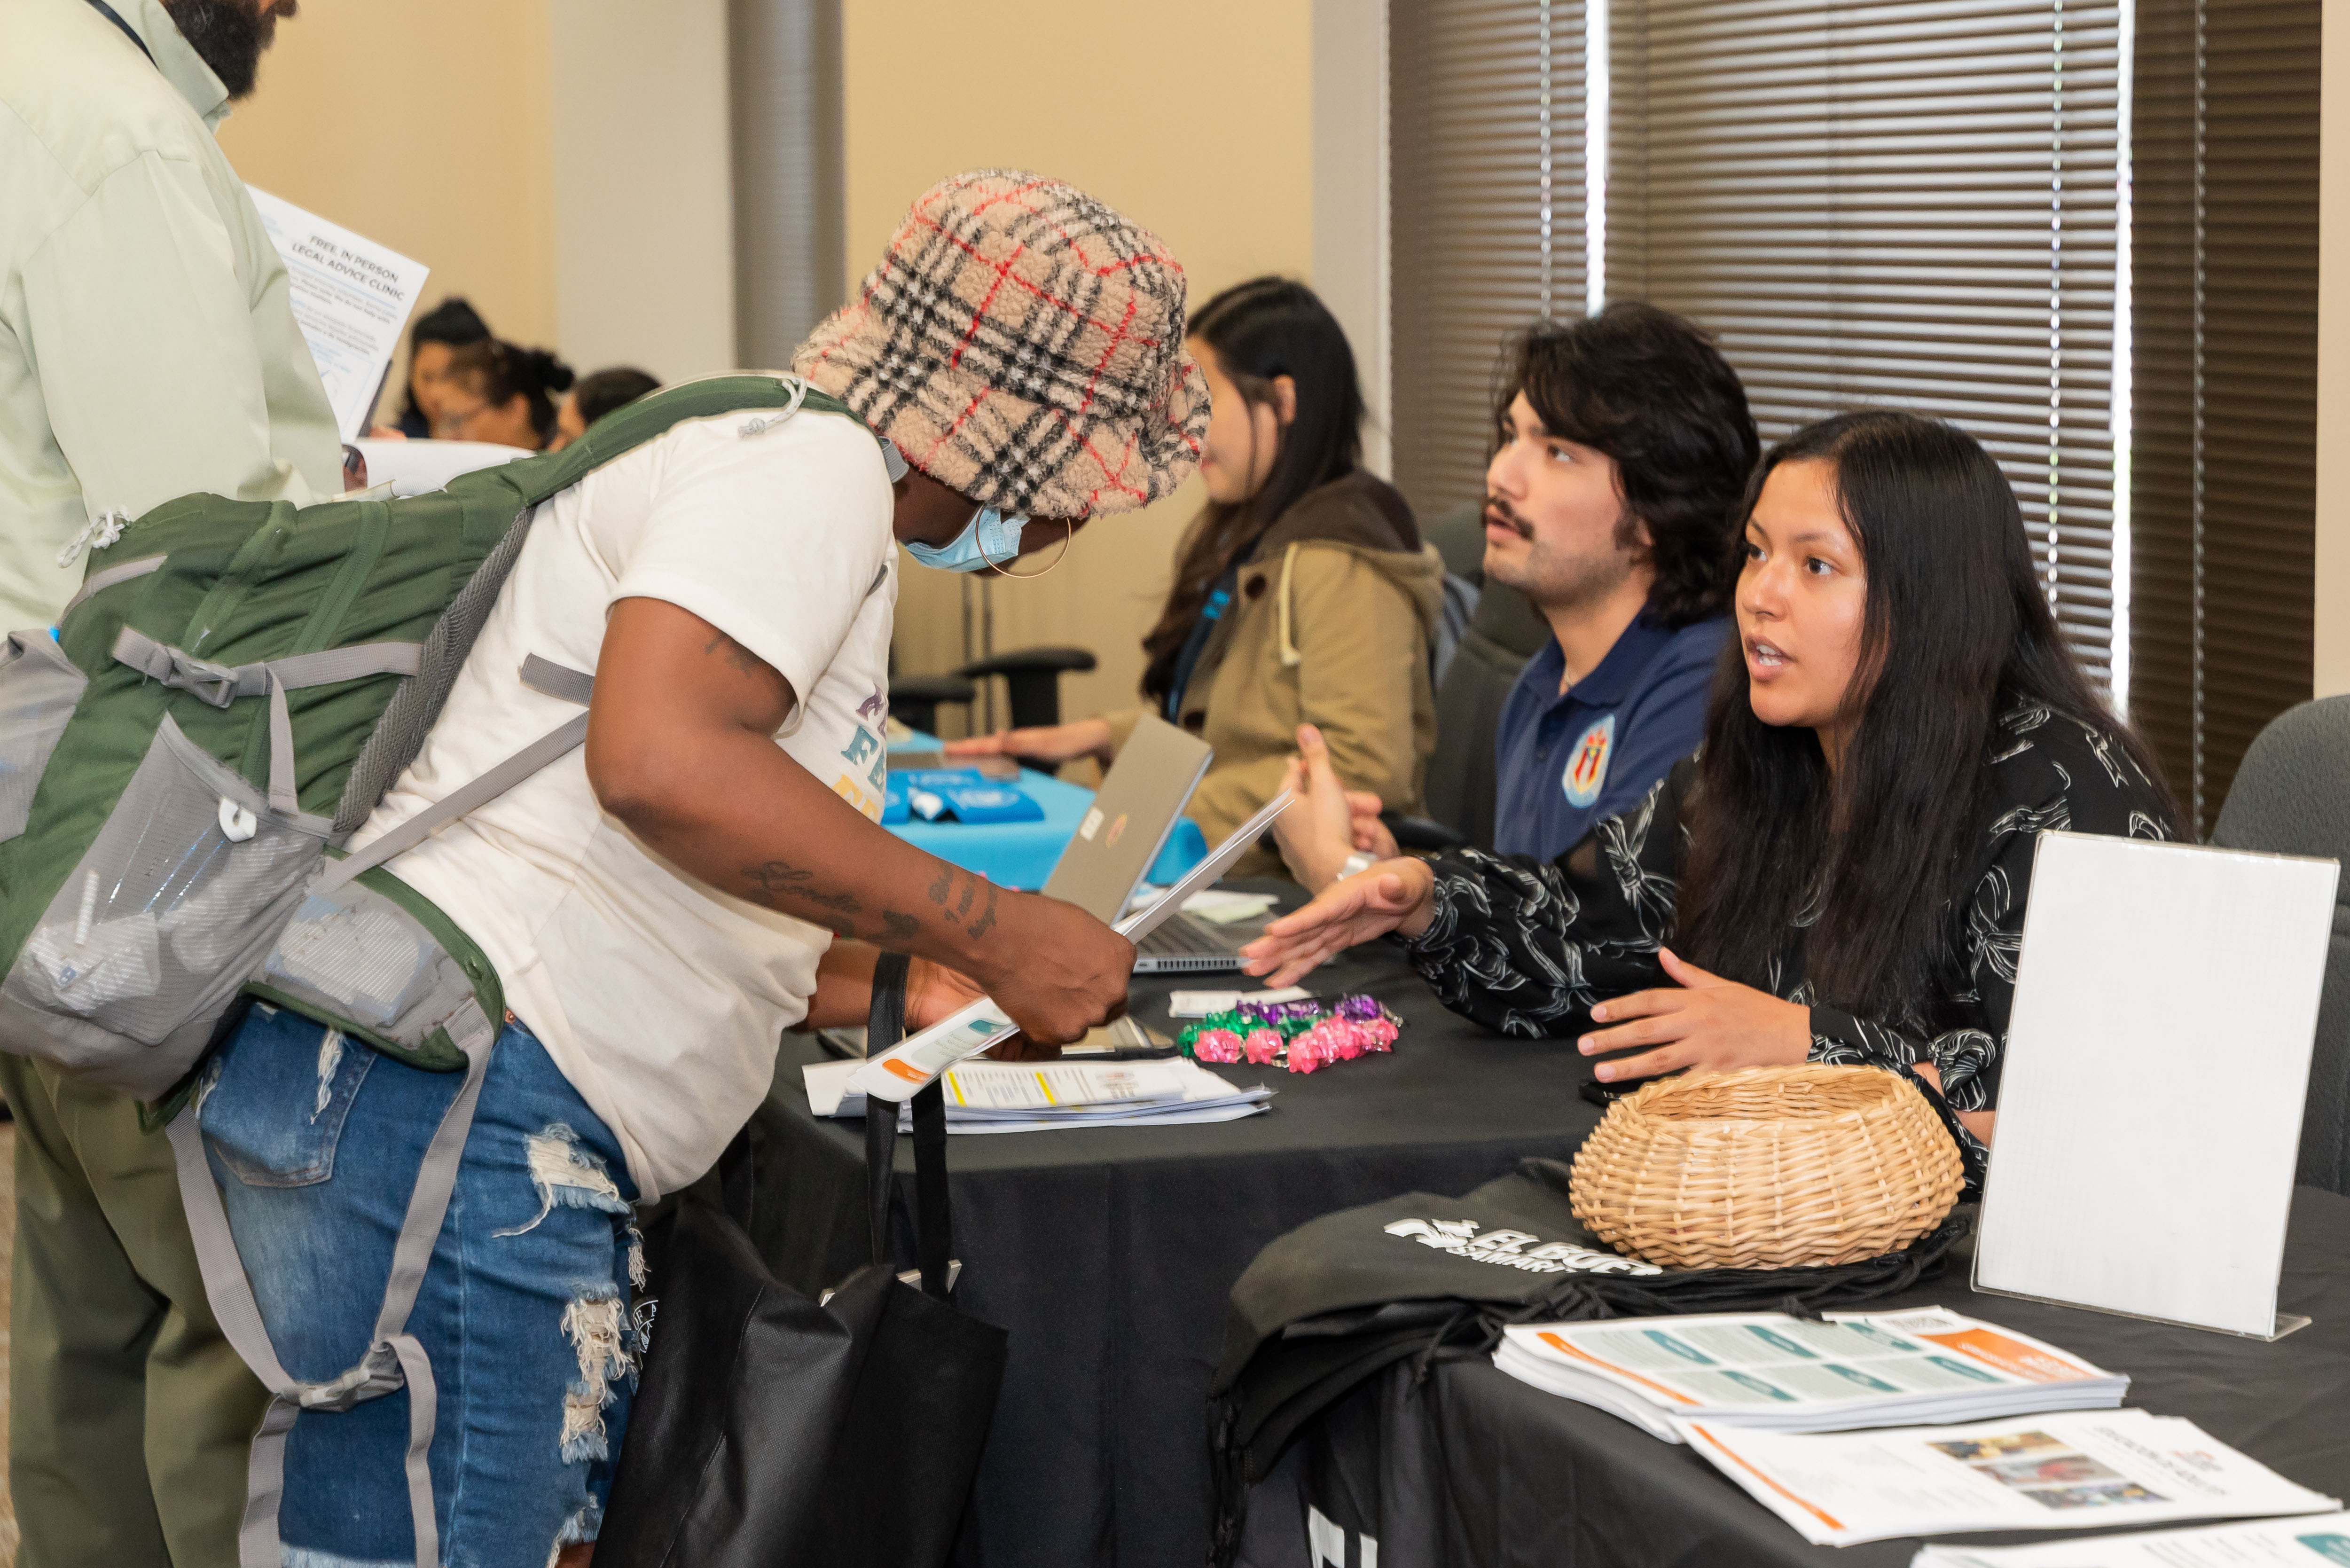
{"x": 1586, "y": 765}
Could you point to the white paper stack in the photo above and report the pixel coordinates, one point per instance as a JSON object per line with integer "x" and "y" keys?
{"x": 2306, "y": 1543}
{"x": 2046, "y": 1472}
{"x": 1768, "y": 1371}
{"x": 1200, "y": 1003}
{"x": 1036, "y": 1096}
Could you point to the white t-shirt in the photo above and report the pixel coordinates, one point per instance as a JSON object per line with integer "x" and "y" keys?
{"x": 659, "y": 997}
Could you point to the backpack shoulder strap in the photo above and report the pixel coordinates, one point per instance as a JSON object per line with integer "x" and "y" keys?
{"x": 532, "y": 480}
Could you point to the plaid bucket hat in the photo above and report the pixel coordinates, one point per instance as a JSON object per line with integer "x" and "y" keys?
{"x": 1021, "y": 343}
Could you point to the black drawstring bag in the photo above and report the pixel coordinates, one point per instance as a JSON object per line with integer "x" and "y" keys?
{"x": 771, "y": 1428}
{"x": 1342, "y": 1298}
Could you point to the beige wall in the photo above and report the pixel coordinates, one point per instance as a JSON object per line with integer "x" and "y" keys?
{"x": 644, "y": 244}
{"x": 562, "y": 163}
{"x": 423, "y": 124}
{"x": 1350, "y": 200}
{"x": 1194, "y": 120}
{"x": 2330, "y": 658}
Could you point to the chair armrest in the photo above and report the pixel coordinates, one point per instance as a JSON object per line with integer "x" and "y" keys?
{"x": 1031, "y": 660}
{"x": 931, "y": 689}
{"x": 915, "y": 700}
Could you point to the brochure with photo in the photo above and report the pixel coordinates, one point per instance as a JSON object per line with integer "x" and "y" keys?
{"x": 2074, "y": 1471}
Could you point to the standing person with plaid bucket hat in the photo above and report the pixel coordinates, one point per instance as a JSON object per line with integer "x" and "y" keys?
{"x": 707, "y": 872}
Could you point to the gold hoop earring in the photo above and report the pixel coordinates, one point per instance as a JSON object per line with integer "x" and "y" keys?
{"x": 1068, "y": 532}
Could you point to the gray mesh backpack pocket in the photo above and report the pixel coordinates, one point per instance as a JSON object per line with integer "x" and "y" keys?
{"x": 39, "y": 689}
{"x": 162, "y": 918}
{"x": 358, "y": 956}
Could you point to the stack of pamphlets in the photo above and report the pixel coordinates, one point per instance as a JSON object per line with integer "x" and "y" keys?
{"x": 1034, "y": 1096}
{"x": 2074, "y": 1471}
{"x": 1786, "y": 1374}
{"x": 2289, "y": 1543}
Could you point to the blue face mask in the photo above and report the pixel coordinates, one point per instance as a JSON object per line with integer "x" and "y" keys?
{"x": 991, "y": 539}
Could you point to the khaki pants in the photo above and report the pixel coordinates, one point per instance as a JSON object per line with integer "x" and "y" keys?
{"x": 130, "y": 1415}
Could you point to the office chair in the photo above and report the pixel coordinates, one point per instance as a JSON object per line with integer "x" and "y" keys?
{"x": 2289, "y": 799}
{"x": 1033, "y": 677}
{"x": 1504, "y": 631}
{"x": 915, "y": 700}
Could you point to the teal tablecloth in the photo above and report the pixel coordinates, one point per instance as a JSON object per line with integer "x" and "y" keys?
{"x": 1023, "y": 854}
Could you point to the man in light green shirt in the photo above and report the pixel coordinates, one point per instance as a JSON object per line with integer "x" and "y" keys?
{"x": 147, "y": 351}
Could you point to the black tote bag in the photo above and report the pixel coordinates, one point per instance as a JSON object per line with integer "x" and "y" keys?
{"x": 770, "y": 1429}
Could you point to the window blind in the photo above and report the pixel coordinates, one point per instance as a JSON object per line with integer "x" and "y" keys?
{"x": 1486, "y": 198}
{"x": 1906, "y": 204}
{"x": 2225, "y": 447}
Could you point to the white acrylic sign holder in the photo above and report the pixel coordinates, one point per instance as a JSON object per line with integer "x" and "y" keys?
{"x": 2151, "y": 1100}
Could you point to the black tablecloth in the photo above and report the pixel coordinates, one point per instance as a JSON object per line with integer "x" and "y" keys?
{"x": 1476, "y": 1467}
{"x": 1110, "y": 1253}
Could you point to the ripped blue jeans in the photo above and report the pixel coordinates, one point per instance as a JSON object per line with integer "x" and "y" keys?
{"x": 526, "y": 1309}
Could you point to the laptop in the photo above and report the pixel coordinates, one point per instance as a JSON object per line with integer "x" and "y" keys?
{"x": 1120, "y": 837}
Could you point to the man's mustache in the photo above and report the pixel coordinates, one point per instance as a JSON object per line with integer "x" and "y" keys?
{"x": 1497, "y": 510}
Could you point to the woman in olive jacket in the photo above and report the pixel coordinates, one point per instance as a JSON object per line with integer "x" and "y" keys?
{"x": 1303, "y": 593}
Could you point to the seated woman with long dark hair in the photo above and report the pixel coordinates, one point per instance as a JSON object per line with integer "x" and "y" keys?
{"x": 1303, "y": 593}
{"x": 1839, "y": 874}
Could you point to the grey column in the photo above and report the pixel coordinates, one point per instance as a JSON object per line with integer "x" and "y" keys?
{"x": 783, "y": 69}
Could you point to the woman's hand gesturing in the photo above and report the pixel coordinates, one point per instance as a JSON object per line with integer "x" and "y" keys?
{"x": 1049, "y": 743}
{"x": 1394, "y": 895}
{"x": 1328, "y": 821}
{"x": 1713, "y": 1024}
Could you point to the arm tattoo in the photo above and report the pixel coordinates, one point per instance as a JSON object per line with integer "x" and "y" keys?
{"x": 900, "y": 928}
{"x": 744, "y": 662}
{"x": 778, "y": 879}
{"x": 979, "y": 928}
{"x": 955, "y": 912}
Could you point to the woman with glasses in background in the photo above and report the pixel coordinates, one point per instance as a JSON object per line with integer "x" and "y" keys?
{"x": 498, "y": 391}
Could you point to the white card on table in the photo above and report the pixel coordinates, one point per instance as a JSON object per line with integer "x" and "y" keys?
{"x": 2150, "y": 1101}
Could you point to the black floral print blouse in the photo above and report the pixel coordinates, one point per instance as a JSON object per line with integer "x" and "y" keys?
{"x": 1526, "y": 947}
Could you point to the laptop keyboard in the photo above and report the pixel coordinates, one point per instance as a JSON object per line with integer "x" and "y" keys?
{"x": 1185, "y": 946}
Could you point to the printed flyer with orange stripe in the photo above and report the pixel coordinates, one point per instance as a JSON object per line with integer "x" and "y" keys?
{"x": 1794, "y": 1375}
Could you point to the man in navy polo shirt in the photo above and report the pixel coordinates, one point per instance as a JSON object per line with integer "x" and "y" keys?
{"x": 1623, "y": 446}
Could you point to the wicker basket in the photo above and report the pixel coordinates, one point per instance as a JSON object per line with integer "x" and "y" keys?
{"x": 1768, "y": 1167}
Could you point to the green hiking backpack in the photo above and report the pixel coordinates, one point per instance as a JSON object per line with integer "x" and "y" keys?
{"x": 225, "y": 700}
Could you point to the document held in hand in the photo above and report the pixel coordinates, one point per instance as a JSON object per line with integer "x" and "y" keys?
{"x": 903, "y": 1070}
{"x": 350, "y": 296}
{"x": 2044, "y": 1472}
